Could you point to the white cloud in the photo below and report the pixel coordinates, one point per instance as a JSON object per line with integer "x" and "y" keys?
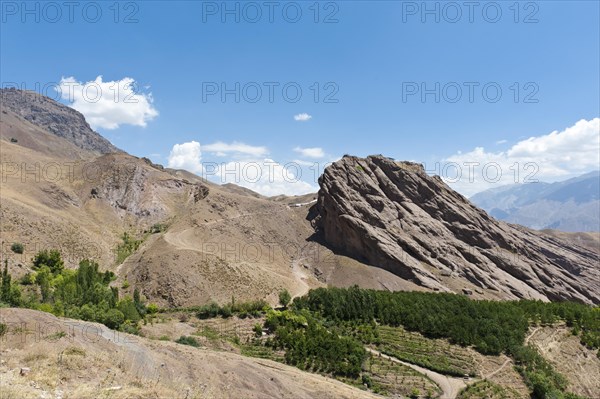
{"x": 303, "y": 117}
{"x": 265, "y": 176}
{"x": 550, "y": 157}
{"x": 314, "y": 152}
{"x": 222, "y": 149}
{"x": 108, "y": 104}
{"x": 186, "y": 156}
{"x": 501, "y": 141}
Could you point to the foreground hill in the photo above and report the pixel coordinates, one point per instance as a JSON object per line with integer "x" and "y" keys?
{"x": 45, "y": 356}
{"x": 572, "y": 205}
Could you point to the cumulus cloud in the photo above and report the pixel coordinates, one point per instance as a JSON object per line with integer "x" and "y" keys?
{"x": 551, "y": 157}
{"x": 263, "y": 175}
{"x": 108, "y": 104}
{"x": 222, "y": 149}
{"x": 314, "y": 152}
{"x": 303, "y": 117}
{"x": 186, "y": 156}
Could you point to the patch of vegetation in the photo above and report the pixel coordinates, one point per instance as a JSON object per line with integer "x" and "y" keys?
{"x": 491, "y": 327}
{"x": 50, "y": 259}
{"x": 10, "y": 294}
{"x": 191, "y": 341}
{"x": 210, "y": 333}
{"x": 284, "y": 298}
{"x": 127, "y": 247}
{"x": 487, "y": 390}
{"x": 74, "y": 351}
{"x": 17, "y": 248}
{"x": 310, "y": 345}
{"x": 3, "y": 329}
{"x": 539, "y": 375}
{"x": 388, "y": 378}
{"x": 432, "y": 354}
{"x": 158, "y": 228}
{"x": 80, "y": 294}
{"x": 254, "y": 309}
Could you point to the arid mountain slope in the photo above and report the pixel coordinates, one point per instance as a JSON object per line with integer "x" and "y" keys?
{"x": 394, "y": 216}
{"x": 55, "y": 118}
{"x": 55, "y": 194}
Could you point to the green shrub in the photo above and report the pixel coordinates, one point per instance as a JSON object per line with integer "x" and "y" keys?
{"x": 257, "y": 330}
{"x": 17, "y": 248}
{"x": 152, "y": 308}
{"x": 191, "y": 341}
{"x": 3, "y": 329}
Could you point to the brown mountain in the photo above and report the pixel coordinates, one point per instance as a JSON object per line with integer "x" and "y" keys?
{"x": 56, "y": 119}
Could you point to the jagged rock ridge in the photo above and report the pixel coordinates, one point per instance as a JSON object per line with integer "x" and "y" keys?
{"x": 393, "y": 215}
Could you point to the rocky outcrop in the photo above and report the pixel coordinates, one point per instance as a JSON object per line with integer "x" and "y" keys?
{"x": 393, "y": 215}
{"x": 55, "y": 118}
{"x": 133, "y": 187}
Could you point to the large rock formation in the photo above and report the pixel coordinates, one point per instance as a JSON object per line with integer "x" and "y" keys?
{"x": 394, "y": 216}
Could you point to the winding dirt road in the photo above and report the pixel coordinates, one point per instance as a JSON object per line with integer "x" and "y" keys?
{"x": 450, "y": 386}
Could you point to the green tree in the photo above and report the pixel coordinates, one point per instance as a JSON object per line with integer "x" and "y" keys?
{"x": 284, "y": 298}
{"x": 50, "y": 258}
{"x": 127, "y": 307}
{"x": 42, "y": 278}
{"x": 9, "y": 292}
{"x": 114, "y": 318}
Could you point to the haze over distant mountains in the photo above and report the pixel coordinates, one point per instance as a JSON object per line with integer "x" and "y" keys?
{"x": 572, "y": 205}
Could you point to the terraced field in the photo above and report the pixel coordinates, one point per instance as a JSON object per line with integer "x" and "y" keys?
{"x": 392, "y": 379}
{"x": 433, "y": 354}
{"x": 488, "y": 390}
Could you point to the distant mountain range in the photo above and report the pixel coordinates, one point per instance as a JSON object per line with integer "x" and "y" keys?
{"x": 572, "y": 205}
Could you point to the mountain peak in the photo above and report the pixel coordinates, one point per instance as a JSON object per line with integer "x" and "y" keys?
{"x": 55, "y": 118}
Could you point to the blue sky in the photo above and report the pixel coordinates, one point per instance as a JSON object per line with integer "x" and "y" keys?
{"x": 373, "y": 55}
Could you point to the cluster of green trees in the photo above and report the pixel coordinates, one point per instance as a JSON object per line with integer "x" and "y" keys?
{"x": 84, "y": 293}
{"x": 310, "y": 345}
{"x": 539, "y": 375}
{"x": 241, "y": 309}
{"x": 491, "y": 327}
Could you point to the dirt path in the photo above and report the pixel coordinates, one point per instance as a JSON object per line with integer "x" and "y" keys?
{"x": 186, "y": 240}
{"x": 509, "y": 361}
{"x": 450, "y": 386}
{"x": 300, "y": 276}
